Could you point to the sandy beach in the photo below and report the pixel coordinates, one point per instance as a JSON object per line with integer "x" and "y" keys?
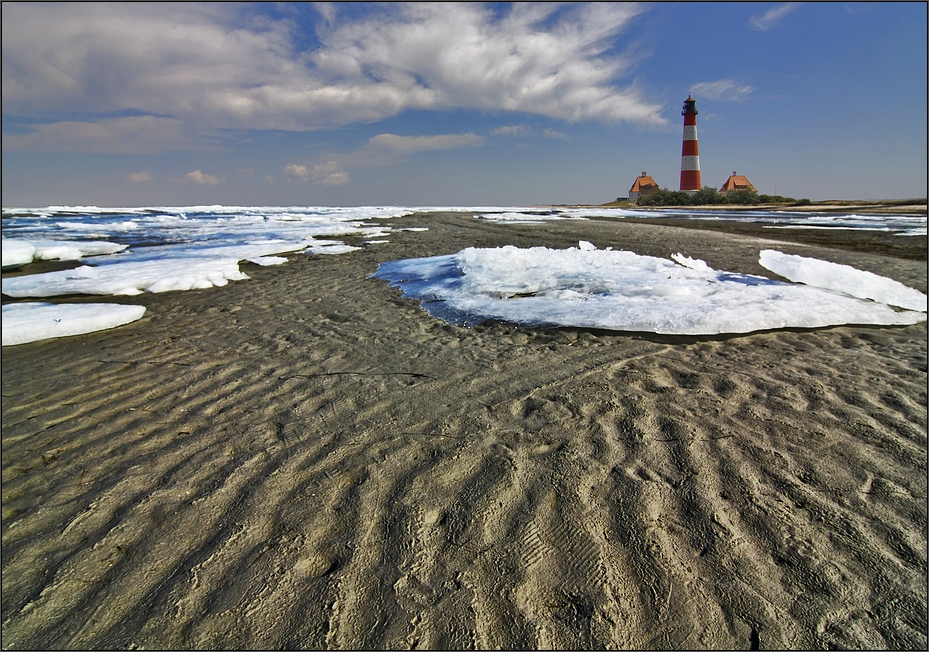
{"x": 308, "y": 460}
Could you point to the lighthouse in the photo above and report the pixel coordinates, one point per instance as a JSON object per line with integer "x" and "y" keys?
{"x": 690, "y": 153}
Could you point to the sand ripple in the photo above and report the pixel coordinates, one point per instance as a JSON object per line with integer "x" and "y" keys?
{"x": 323, "y": 465}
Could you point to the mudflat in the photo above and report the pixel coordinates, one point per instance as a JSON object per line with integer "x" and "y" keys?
{"x": 308, "y": 460}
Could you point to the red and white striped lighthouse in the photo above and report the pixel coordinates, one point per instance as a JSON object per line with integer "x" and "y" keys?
{"x": 690, "y": 153}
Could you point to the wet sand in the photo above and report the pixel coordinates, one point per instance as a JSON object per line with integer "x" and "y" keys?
{"x": 308, "y": 460}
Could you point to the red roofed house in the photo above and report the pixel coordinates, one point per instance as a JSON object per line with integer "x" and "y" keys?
{"x": 736, "y": 182}
{"x": 644, "y": 185}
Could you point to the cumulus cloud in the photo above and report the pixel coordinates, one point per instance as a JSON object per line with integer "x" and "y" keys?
{"x": 217, "y": 66}
{"x": 769, "y": 19}
{"x": 140, "y": 177}
{"x": 202, "y": 178}
{"x": 296, "y": 172}
{"x": 329, "y": 173}
{"x": 723, "y": 90}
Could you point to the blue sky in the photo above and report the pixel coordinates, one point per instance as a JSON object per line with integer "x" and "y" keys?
{"x": 141, "y": 104}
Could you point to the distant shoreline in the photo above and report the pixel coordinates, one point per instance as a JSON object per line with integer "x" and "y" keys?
{"x": 887, "y": 206}
{"x": 883, "y": 206}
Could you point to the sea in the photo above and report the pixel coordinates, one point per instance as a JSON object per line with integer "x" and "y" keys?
{"x": 209, "y": 226}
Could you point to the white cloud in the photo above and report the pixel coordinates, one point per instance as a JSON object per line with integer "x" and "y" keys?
{"x": 540, "y": 58}
{"x": 525, "y": 131}
{"x": 413, "y": 144}
{"x": 326, "y": 174}
{"x": 132, "y": 135}
{"x": 327, "y": 10}
{"x": 519, "y": 131}
{"x": 329, "y": 174}
{"x": 296, "y": 172}
{"x": 387, "y": 149}
{"x": 553, "y": 133}
{"x": 772, "y": 17}
{"x": 140, "y": 177}
{"x": 216, "y": 66}
{"x": 723, "y": 90}
{"x": 202, "y": 178}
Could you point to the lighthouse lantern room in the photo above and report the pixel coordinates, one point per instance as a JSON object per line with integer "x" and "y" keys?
{"x": 690, "y": 152}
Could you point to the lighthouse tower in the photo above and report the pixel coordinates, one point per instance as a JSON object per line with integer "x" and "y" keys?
{"x": 690, "y": 153}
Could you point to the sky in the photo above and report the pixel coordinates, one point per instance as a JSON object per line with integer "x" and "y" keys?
{"x": 451, "y": 104}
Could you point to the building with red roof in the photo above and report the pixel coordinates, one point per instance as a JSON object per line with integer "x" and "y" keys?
{"x": 643, "y": 185}
{"x": 736, "y": 182}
